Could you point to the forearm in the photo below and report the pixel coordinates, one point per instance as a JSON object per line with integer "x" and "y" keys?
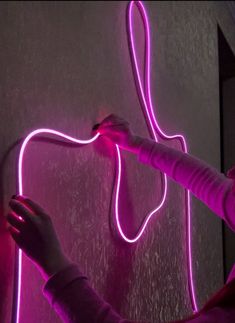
{"x": 204, "y": 181}
{"x": 134, "y": 144}
{"x": 71, "y": 296}
{"x": 53, "y": 265}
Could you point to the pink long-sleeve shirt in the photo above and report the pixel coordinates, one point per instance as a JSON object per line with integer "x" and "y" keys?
{"x": 69, "y": 292}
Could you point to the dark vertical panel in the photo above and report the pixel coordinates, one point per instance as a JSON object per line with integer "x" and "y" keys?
{"x": 227, "y": 117}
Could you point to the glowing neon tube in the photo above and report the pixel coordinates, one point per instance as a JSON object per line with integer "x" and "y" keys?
{"x": 148, "y": 111}
{"x": 145, "y": 98}
{"x": 146, "y": 219}
{"x": 20, "y": 188}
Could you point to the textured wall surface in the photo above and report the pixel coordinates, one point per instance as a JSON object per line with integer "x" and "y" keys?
{"x": 65, "y": 65}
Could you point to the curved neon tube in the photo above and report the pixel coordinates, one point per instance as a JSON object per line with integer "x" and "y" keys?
{"x": 145, "y": 96}
{"x": 149, "y": 112}
{"x": 146, "y": 219}
{"x": 155, "y": 129}
{"x": 20, "y": 188}
{"x": 48, "y": 131}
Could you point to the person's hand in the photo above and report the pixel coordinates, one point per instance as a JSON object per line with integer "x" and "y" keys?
{"x": 32, "y": 229}
{"x": 118, "y": 131}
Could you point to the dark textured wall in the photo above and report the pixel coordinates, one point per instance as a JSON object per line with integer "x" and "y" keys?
{"x": 229, "y": 156}
{"x": 65, "y": 65}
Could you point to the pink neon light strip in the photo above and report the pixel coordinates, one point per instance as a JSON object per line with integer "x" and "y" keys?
{"x": 145, "y": 94}
{"x": 155, "y": 130}
{"x": 20, "y": 185}
{"x": 148, "y": 112}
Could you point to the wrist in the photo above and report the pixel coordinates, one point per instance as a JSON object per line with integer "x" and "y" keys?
{"x": 134, "y": 144}
{"x": 54, "y": 265}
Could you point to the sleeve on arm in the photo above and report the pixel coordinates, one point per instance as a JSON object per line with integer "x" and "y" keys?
{"x": 204, "y": 181}
{"x": 73, "y": 299}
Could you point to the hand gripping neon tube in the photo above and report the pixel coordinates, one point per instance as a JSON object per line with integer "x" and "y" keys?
{"x": 17, "y": 291}
{"x": 144, "y": 93}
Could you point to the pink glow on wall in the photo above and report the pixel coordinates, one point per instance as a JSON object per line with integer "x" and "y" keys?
{"x": 146, "y": 99}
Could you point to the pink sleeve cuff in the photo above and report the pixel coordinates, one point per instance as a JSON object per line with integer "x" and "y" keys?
{"x": 58, "y": 281}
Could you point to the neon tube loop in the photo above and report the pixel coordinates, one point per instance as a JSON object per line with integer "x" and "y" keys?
{"x": 20, "y": 188}
{"x": 144, "y": 93}
{"x": 148, "y": 112}
{"x": 145, "y": 98}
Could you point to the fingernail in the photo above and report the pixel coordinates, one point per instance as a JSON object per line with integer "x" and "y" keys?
{"x": 96, "y": 126}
